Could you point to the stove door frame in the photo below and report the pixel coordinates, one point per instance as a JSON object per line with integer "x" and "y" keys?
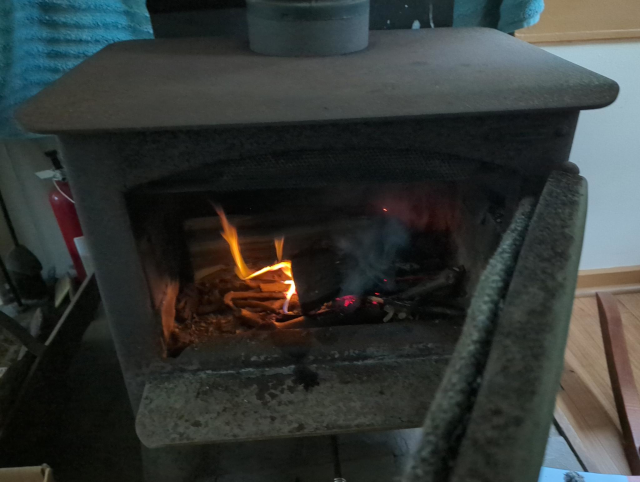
{"x": 501, "y": 433}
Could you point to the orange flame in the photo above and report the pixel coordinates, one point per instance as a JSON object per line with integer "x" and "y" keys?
{"x": 285, "y": 266}
{"x": 230, "y": 234}
{"x": 279, "y": 242}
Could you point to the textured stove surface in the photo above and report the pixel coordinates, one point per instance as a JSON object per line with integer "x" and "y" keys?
{"x": 209, "y": 82}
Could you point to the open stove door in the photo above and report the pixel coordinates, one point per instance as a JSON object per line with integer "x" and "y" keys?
{"x": 490, "y": 418}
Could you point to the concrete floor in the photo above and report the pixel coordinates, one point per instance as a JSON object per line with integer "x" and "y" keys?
{"x": 87, "y": 432}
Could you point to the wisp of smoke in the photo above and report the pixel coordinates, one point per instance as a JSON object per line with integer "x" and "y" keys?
{"x": 370, "y": 254}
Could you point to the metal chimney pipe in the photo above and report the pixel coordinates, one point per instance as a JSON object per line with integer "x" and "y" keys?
{"x": 297, "y": 28}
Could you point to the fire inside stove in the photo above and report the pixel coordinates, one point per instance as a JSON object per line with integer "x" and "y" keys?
{"x": 226, "y": 264}
{"x": 360, "y": 276}
{"x": 265, "y": 281}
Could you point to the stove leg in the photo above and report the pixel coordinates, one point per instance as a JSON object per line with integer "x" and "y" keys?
{"x": 171, "y": 464}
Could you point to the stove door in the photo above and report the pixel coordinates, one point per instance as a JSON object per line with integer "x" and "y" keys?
{"x": 498, "y": 431}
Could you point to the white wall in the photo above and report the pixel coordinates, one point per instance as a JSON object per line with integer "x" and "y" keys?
{"x": 607, "y": 149}
{"x": 27, "y": 199}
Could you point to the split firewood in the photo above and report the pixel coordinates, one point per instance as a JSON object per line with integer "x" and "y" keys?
{"x": 276, "y": 286}
{"x": 283, "y": 317}
{"x": 254, "y": 320}
{"x": 207, "y": 272}
{"x": 205, "y": 309}
{"x": 294, "y": 304}
{"x": 252, "y": 283}
{"x": 257, "y": 305}
{"x": 271, "y": 276}
{"x": 295, "y": 323}
{"x": 446, "y": 278}
{"x": 277, "y": 304}
{"x": 250, "y": 295}
{"x": 229, "y": 284}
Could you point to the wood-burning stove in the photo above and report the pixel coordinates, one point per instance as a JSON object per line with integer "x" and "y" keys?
{"x": 470, "y": 127}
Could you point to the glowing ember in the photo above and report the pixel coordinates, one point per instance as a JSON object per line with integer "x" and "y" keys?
{"x": 347, "y": 300}
{"x": 385, "y": 210}
{"x": 230, "y": 234}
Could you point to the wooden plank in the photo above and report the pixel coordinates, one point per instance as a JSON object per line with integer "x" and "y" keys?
{"x": 585, "y": 407}
{"x": 585, "y": 393}
{"x": 570, "y": 434}
{"x": 596, "y": 430}
{"x": 623, "y": 384}
{"x": 630, "y": 303}
{"x": 580, "y": 20}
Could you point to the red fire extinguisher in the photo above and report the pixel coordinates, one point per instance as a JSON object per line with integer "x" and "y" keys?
{"x": 65, "y": 212}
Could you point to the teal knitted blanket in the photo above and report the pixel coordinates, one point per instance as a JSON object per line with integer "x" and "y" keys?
{"x": 505, "y": 15}
{"x": 42, "y": 39}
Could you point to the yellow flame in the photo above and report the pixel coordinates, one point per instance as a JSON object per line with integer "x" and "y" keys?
{"x": 289, "y": 295}
{"x": 285, "y": 266}
{"x": 230, "y": 234}
{"x": 279, "y": 242}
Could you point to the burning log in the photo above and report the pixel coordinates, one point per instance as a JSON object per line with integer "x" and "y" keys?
{"x": 271, "y": 287}
{"x": 277, "y": 304}
{"x": 447, "y": 278}
{"x": 361, "y": 261}
{"x": 250, "y": 295}
{"x": 207, "y": 271}
{"x": 284, "y": 317}
{"x": 254, "y": 320}
{"x": 298, "y": 322}
{"x": 257, "y": 305}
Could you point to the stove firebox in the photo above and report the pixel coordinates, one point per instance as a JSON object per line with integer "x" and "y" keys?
{"x": 236, "y": 262}
{"x": 302, "y": 246}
